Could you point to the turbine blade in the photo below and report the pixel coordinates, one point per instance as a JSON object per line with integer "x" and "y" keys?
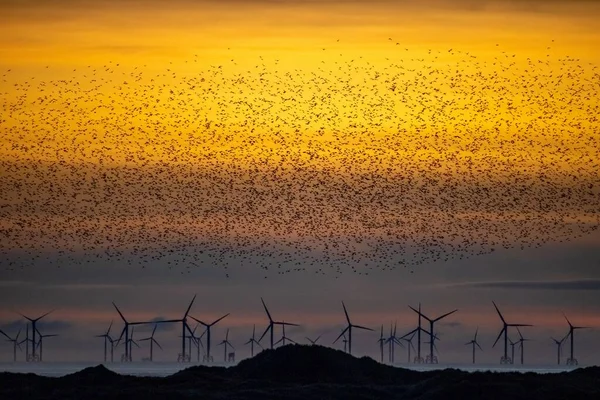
{"x": 479, "y": 346}
{"x": 158, "y": 344}
{"x": 153, "y": 330}
{"x": 110, "y": 327}
{"x": 499, "y": 313}
{"x": 444, "y": 316}
{"x": 569, "y": 322}
{"x": 8, "y": 337}
{"x": 341, "y": 334}
{"x": 346, "y": 312}
{"x": 270, "y": 326}
{"x": 499, "y": 336}
{"x": 189, "y": 307}
{"x": 410, "y": 333}
{"x": 198, "y": 321}
{"x": 266, "y": 310}
{"x": 25, "y": 316}
{"x": 219, "y": 319}
{"x": 49, "y": 312}
{"x": 362, "y": 327}
{"x": 119, "y": 311}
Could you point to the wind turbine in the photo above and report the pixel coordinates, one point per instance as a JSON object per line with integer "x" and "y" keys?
{"x": 381, "y": 342}
{"x": 208, "y": 357}
{"x": 128, "y": 341}
{"x": 418, "y": 359}
{"x": 572, "y": 360}
{"x": 41, "y": 343}
{"x": 34, "y": 322}
{"x": 349, "y": 330}
{"x": 15, "y": 343}
{"x": 512, "y": 350}
{"x": 26, "y": 341}
{"x": 128, "y": 348}
{"x": 505, "y": 326}
{"x": 521, "y": 342}
{"x": 184, "y": 326}
{"x": 345, "y": 341}
{"x": 199, "y": 345}
{"x": 313, "y": 342}
{"x": 474, "y": 343}
{"x": 432, "y": 359}
{"x": 107, "y": 338}
{"x": 432, "y": 342}
{"x": 559, "y": 348}
{"x": 253, "y": 341}
{"x": 410, "y": 344}
{"x": 284, "y": 338}
{"x": 271, "y": 326}
{"x": 392, "y": 341}
{"x": 152, "y": 342}
{"x": 226, "y": 343}
{"x": 192, "y": 339}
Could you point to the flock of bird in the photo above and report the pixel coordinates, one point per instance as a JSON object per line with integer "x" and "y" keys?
{"x": 351, "y": 166}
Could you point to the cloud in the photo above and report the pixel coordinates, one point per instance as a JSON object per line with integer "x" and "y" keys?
{"x": 452, "y": 324}
{"x": 46, "y": 327}
{"x": 583, "y": 284}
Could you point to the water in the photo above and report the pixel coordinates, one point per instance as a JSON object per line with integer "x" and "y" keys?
{"x": 57, "y": 369}
{"x": 161, "y": 369}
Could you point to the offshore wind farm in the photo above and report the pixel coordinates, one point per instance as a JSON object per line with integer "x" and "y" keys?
{"x": 195, "y": 342}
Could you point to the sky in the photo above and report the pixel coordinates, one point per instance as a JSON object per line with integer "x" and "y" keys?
{"x": 381, "y": 153}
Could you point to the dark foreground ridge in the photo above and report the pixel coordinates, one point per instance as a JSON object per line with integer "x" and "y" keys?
{"x": 305, "y": 372}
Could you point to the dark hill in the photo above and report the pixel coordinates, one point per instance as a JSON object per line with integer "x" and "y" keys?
{"x": 99, "y": 375}
{"x": 318, "y": 364}
{"x": 306, "y": 372}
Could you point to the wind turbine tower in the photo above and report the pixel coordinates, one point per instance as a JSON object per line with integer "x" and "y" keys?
{"x": 432, "y": 359}
{"x": 349, "y": 330}
{"x": 33, "y": 356}
{"x": 208, "y": 357}
{"x": 107, "y": 339}
{"x": 474, "y": 343}
{"x": 505, "y": 359}
{"x": 572, "y": 360}
{"x": 272, "y": 323}
{"x": 15, "y": 343}
{"x": 559, "y": 344}
{"x": 152, "y": 342}
{"x": 252, "y": 341}
{"x": 226, "y": 343}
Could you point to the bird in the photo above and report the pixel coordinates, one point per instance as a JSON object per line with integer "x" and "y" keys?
{"x": 355, "y": 166}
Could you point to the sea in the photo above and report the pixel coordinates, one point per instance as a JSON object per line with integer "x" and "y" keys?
{"x": 161, "y": 369}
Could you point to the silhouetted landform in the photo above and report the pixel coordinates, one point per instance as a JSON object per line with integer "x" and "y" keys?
{"x": 306, "y": 372}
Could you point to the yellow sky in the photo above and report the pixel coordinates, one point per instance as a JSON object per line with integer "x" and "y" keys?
{"x": 373, "y": 87}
